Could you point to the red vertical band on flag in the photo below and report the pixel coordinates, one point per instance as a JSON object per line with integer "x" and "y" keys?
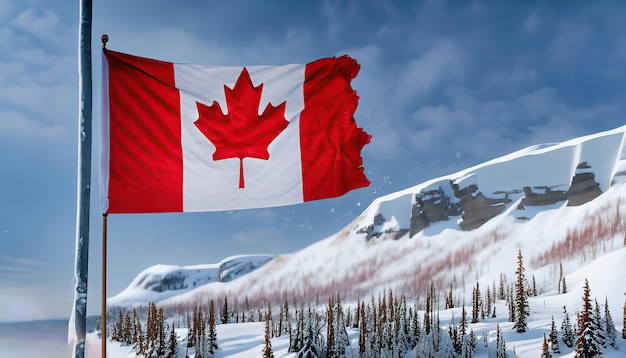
{"x": 330, "y": 141}
{"x": 145, "y": 158}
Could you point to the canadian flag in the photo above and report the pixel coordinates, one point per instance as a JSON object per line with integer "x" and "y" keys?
{"x": 183, "y": 137}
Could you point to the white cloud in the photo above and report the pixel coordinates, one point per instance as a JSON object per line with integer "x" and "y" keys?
{"x": 43, "y": 26}
{"x": 418, "y": 77}
{"x": 14, "y": 123}
{"x": 570, "y": 41}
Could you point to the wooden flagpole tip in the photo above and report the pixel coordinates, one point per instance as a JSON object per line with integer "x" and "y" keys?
{"x": 105, "y": 39}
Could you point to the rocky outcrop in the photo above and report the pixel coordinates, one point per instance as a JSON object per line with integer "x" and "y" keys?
{"x": 583, "y": 189}
{"x": 434, "y": 205}
{"x": 431, "y": 206}
{"x": 477, "y": 209}
{"x": 548, "y": 197}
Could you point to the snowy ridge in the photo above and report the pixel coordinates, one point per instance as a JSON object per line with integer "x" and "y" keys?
{"x": 380, "y": 249}
{"x": 160, "y": 282}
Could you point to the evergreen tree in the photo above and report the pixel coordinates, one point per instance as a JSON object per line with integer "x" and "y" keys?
{"x": 554, "y": 338}
{"x": 224, "y": 317}
{"x": 449, "y": 300}
{"x": 500, "y": 343}
{"x": 311, "y": 347}
{"x": 545, "y": 351}
{"x": 599, "y": 325}
{"x": 127, "y": 330}
{"x": 268, "y": 352}
{"x": 489, "y": 303}
{"x": 511, "y": 304}
{"x": 212, "y": 334}
{"x": 476, "y": 303}
{"x": 416, "y": 331}
{"x": 297, "y": 341}
{"x": 363, "y": 332}
{"x": 341, "y": 334}
{"x": 567, "y": 329}
{"x": 521, "y": 298}
{"x": 287, "y": 319}
{"x": 172, "y": 344}
{"x": 469, "y": 345}
{"x": 501, "y": 287}
{"x": 586, "y": 343}
{"x": 560, "y": 277}
{"x": 609, "y": 328}
{"x": 161, "y": 340}
{"x": 331, "y": 351}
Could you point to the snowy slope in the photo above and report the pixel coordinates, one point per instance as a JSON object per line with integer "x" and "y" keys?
{"x": 380, "y": 249}
{"x": 160, "y": 282}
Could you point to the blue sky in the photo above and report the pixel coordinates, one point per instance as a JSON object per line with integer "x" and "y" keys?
{"x": 443, "y": 85}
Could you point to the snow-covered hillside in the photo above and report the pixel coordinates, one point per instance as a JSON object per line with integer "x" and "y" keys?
{"x": 540, "y": 199}
{"x": 535, "y": 199}
{"x": 160, "y": 282}
{"x": 561, "y": 204}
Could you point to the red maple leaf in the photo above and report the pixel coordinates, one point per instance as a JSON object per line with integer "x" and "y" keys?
{"x": 242, "y": 132}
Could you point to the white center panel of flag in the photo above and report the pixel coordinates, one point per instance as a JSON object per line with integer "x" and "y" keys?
{"x": 212, "y": 185}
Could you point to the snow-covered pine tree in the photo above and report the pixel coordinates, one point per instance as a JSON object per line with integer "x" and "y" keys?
{"x": 488, "y": 306}
{"x": 402, "y": 342}
{"x": 331, "y": 351}
{"x": 545, "y": 350}
{"x": 127, "y": 332}
{"x": 469, "y": 345}
{"x": 224, "y": 315}
{"x": 295, "y": 343}
{"x": 363, "y": 332}
{"x": 500, "y": 343}
{"x": 287, "y": 319}
{"x": 449, "y": 300}
{"x": 475, "y": 303}
{"x": 609, "y": 326}
{"x": 599, "y": 324}
{"x": 522, "y": 310}
{"x": 554, "y": 338}
{"x": 172, "y": 344}
{"x": 586, "y": 345}
{"x": 567, "y": 329}
{"x": 502, "y": 287}
{"x": 341, "y": 334}
{"x": 268, "y": 352}
{"x": 511, "y": 303}
{"x": 311, "y": 348}
{"x": 560, "y": 277}
{"x": 211, "y": 325}
{"x": 136, "y": 330}
{"x": 416, "y": 331}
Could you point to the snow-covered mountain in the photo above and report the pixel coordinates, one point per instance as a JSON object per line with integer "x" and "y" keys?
{"x": 560, "y": 203}
{"x": 160, "y": 282}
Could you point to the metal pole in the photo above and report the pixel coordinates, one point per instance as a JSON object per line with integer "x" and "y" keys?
{"x": 104, "y": 285}
{"x": 84, "y": 179}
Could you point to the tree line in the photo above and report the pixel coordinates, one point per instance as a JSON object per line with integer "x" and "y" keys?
{"x": 387, "y": 325}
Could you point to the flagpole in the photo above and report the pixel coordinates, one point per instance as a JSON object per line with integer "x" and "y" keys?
{"x": 79, "y": 312}
{"x": 104, "y": 284}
